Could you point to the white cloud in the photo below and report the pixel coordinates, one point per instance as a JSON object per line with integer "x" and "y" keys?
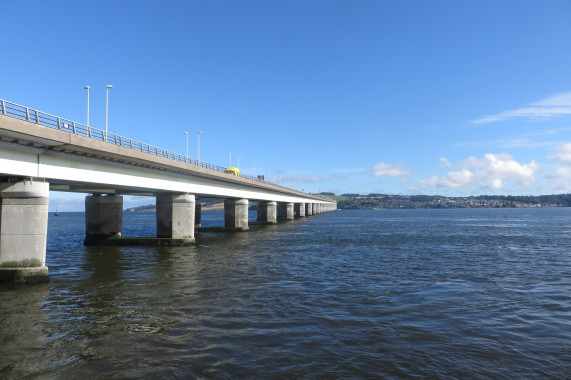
{"x": 563, "y": 172}
{"x": 492, "y": 172}
{"x": 563, "y": 154}
{"x": 555, "y": 105}
{"x": 445, "y": 163}
{"x": 563, "y": 99}
{"x": 390, "y": 170}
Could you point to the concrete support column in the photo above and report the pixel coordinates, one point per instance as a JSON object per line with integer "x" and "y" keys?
{"x": 103, "y": 217}
{"x": 299, "y": 210}
{"x": 308, "y": 209}
{"x": 318, "y": 208}
{"x": 197, "y": 213}
{"x": 267, "y": 212}
{"x": 313, "y": 209}
{"x": 23, "y": 231}
{"x": 175, "y": 216}
{"x": 236, "y": 213}
{"x": 285, "y": 211}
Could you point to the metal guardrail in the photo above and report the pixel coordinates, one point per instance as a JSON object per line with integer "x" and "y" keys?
{"x": 47, "y": 120}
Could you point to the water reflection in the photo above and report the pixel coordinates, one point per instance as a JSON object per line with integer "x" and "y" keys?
{"x": 23, "y": 329}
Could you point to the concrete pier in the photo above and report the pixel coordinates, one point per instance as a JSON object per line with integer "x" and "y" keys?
{"x": 236, "y": 214}
{"x": 267, "y": 212}
{"x": 175, "y": 217}
{"x": 285, "y": 211}
{"x": 299, "y": 210}
{"x": 23, "y": 231}
{"x": 197, "y": 212}
{"x": 308, "y": 209}
{"x": 103, "y": 217}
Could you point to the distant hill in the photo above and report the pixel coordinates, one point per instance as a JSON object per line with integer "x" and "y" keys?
{"x": 385, "y": 201}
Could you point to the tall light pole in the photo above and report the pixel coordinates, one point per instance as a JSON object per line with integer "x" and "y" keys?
{"x": 199, "y": 133}
{"x": 107, "y": 110}
{"x": 239, "y": 153}
{"x": 186, "y": 133}
{"x": 87, "y": 88}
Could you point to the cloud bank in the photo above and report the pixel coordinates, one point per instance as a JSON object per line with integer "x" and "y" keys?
{"x": 492, "y": 172}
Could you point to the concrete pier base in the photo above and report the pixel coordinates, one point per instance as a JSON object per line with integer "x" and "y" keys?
{"x": 285, "y": 211}
{"x": 23, "y": 231}
{"x": 236, "y": 214}
{"x": 299, "y": 210}
{"x": 267, "y": 212}
{"x": 175, "y": 216}
{"x": 103, "y": 218}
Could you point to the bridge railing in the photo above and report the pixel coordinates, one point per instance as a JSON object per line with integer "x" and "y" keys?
{"x": 47, "y": 120}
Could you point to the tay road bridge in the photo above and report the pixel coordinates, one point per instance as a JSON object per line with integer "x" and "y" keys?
{"x": 40, "y": 152}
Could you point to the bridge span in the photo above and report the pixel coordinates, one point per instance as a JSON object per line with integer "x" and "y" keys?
{"x": 40, "y": 152}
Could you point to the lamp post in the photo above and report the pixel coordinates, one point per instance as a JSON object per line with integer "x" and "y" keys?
{"x": 107, "y": 110}
{"x": 199, "y": 133}
{"x": 239, "y": 153}
{"x": 186, "y": 133}
{"x": 87, "y": 88}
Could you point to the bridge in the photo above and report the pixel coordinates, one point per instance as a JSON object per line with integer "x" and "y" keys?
{"x": 40, "y": 152}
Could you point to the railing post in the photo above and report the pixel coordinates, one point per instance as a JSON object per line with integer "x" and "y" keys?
{"x": 3, "y": 104}
{"x": 89, "y": 131}
{"x": 37, "y": 117}
{"x": 27, "y": 114}
{"x": 58, "y": 124}
{"x": 73, "y": 125}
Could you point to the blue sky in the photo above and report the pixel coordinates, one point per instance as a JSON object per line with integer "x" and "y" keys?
{"x": 401, "y": 97}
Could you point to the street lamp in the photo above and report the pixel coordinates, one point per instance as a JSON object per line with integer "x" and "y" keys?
{"x": 239, "y": 153}
{"x": 186, "y": 133}
{"x": 87, "y": 88}
{"x": 199, "y": 132}
{"x": 107, "y": 110}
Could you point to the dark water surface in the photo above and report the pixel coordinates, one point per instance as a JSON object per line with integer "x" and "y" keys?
{"x": 472, "y": 293}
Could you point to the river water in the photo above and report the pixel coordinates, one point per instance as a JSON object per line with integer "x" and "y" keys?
{"x": 468, "y": 293}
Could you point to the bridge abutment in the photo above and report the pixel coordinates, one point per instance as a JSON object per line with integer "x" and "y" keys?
{"x": 23, "y": 231}
{"x": 175, "y": 217}
{"x": 103, "y": 218}
{"x": 236, "y": 213}
{"x": 267, "y": 212}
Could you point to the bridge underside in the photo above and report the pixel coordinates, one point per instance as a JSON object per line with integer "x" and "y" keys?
{"x": 24, "y": 219}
